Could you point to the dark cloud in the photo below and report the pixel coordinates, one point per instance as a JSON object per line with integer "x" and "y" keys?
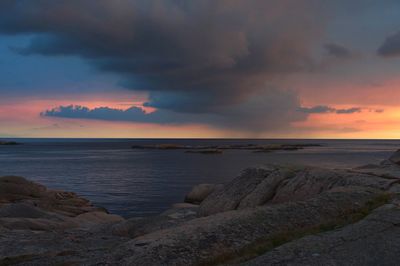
{"x": 320, "y": 109}
{"x": 272, "y": 111}
{"x": 204, "y": 61}
{"x": 192, "y": 56}
{"x": 391, "y": 46}
{"x": 349, "y": 111}
{"x": 337, "y": 50}
{"x": 323, "y": 109}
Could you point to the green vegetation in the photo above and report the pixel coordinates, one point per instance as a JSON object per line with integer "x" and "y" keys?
{"x": 264, "y": 245}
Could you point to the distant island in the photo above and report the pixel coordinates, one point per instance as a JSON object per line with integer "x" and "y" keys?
{"x": 275, "y": 215}
{"x": 2, "y": 142}
{"x": 218, "y": 149}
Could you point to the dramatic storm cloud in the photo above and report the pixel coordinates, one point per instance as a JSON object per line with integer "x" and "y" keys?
{"x": 337, "y": 50}
{"x": 241, "y": 64}
{"x": 256, "y": 114}
{"x": 391, "y": 46}
{"x": 191, "y": 56}
{"x": 323, "y": 109}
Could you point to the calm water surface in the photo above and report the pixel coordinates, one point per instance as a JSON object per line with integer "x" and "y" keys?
{"x": 145, "y": 182}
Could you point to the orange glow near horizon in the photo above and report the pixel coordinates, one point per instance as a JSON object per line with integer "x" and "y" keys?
{"x": 26, "y": 121}
{"x": 384, "y": 92}
{"x": 364, "y": 125}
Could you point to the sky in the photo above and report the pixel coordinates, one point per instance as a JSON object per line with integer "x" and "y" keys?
{"x": 200, "y": 69}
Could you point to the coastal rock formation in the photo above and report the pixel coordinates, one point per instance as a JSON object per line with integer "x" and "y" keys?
{"x": 395, "y": 158}
{"x": 27, "y": 205}
{"x": 372, "y": 241}
{"x": 230, "y": 196}
{"x": 173, "y": 217}
{"x": 266, "y": 216}
{"x": 255, "y": 187}
{"x": 205, "y": 240}
{"x": 200, "y": 192}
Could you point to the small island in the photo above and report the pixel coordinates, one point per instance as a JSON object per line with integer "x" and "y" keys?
{"x": 205, "y": 151}
{"x": 2, "y": 142}
{"x": 218, "y": 149}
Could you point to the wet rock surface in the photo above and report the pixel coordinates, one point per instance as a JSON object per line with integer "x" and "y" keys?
{"x": 266, "y": 216}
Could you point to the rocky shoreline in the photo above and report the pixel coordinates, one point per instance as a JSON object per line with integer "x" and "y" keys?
{"x": 277, "y": 215}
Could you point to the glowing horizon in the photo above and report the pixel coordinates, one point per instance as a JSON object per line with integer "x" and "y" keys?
{"x": 239, "y": 69}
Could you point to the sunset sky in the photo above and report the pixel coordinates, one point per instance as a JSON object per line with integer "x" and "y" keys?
{"x": 201, "y": 68}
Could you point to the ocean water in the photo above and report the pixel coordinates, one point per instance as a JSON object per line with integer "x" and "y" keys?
{"x": 135, "y": 183}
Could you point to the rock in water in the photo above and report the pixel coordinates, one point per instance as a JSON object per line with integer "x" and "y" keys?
{"x": 205, "y": 151}
{"x": 8, "y": 143}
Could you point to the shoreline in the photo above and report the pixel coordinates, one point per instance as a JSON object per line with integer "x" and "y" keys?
{"x": 255, "y": 219}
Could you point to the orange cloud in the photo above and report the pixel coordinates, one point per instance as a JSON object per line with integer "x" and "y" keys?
{"x": 367, "y": 124}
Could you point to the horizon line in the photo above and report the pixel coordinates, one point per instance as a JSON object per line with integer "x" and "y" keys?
{"x": 139, "y": 138}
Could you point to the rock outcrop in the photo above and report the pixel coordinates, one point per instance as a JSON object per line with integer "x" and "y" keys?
{"x": 266, "y": 216}
{"x": 200, "y": 192}
{"x": 206, "y": 240}
{"x": 371, "y": 241}
{"x": 176, "y": 216}
{"x": 395, "y": 158}
{"x": 27, "y": 205}
{"x": 256, "y": 187}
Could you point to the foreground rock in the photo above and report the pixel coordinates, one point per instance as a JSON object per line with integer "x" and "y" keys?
{"x": 200, "y": 192}
{"x": 174, "y": 217}
{"x": 266, "y": 216}
{"x": 27, "y": 205}
{"x": 256, "y": 187}
{"x": 209, "y": 239}
{"x": 372, "y": 241}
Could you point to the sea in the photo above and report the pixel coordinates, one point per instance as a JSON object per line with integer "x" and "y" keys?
{"x": 140, "y": 182}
